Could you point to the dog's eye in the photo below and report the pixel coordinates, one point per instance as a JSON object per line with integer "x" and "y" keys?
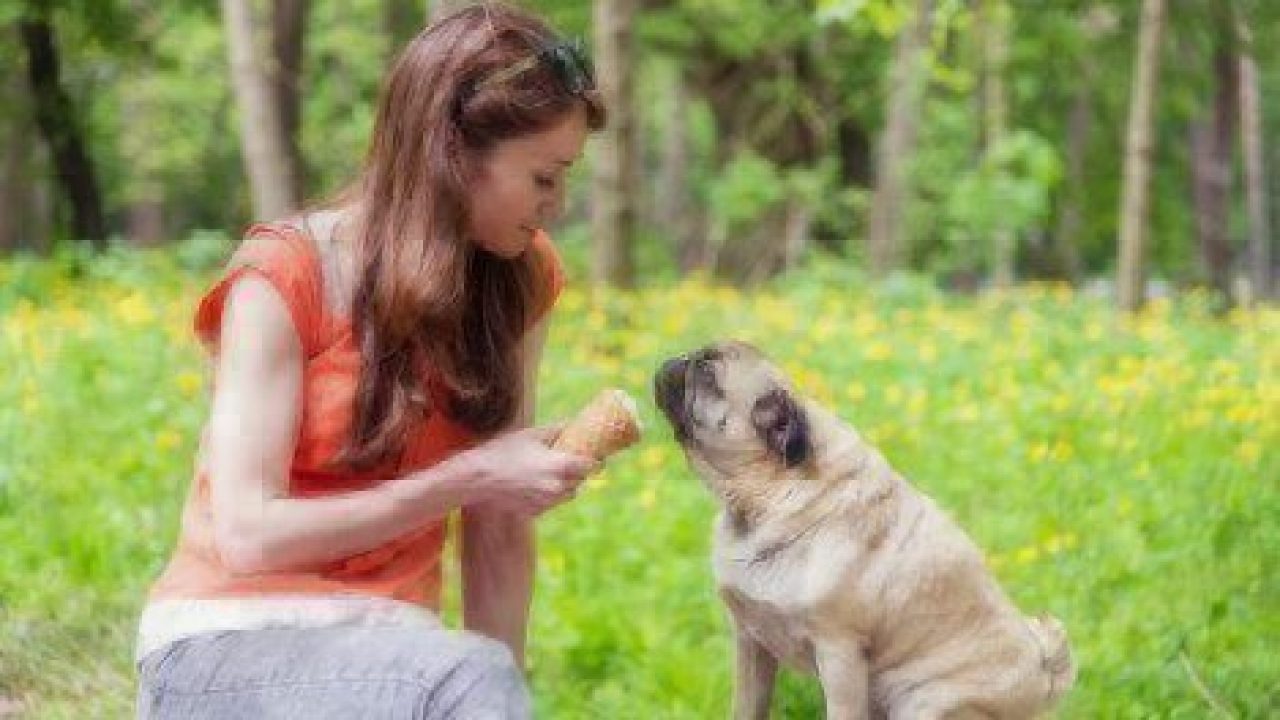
{"x": 705, "y": 377}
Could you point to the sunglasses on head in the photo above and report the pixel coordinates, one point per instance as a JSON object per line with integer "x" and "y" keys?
{"x": 566, "y": 59}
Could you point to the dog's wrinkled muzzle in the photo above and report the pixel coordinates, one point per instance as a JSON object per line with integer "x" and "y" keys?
{"x": 669, "y": 390}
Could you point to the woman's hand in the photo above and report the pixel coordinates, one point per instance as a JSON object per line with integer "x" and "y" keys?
{"x": 521, "y": 473}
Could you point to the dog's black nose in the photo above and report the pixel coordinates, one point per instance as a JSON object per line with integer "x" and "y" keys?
{"x": 674, "y": 367}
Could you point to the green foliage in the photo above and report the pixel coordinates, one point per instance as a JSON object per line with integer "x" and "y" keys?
{"x": 1120, "y": 473}
{"x": 151, "y": 83}
{"x": 748, "y": 185}
{"x": 884, "y": 17}
{"x": 1009, "y": 190}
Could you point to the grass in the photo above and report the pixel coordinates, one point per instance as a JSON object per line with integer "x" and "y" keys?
{"x": 1121, "y": 473}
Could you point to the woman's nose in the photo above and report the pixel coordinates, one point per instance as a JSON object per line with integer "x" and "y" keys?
{"x": 551, "y": 210}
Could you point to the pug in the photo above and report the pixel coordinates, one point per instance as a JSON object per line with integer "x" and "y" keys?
{"x": 830, "y": 562}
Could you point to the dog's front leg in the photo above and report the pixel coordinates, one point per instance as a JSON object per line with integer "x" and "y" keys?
{"x": 753, "y": 685}
{"x": 842, "y": 668}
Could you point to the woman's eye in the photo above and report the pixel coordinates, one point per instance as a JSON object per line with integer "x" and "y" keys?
{"x": 544, "y": 182}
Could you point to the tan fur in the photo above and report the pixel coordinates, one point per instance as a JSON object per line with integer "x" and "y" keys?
{"x": 840, "y": 568}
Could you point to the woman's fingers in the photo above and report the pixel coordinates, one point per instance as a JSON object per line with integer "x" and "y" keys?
{"x": 545, "y": 434}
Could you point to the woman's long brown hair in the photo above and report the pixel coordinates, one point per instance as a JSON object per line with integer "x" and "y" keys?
{"x": 428, "y": 302}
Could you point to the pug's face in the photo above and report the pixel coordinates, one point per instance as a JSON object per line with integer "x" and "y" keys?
{"x": 733, "y": 412}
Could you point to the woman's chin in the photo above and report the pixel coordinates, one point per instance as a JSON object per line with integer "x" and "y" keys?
{"x": 508, "y": 248}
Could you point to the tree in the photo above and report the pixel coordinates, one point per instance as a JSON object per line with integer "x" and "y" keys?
{"x": 897, "y": 143}
{"x": 1254, "y": 174}
{"x": 263, "y": 140}
{"x": 25, "y": 213}
{"x": 1130, "y": 285}
{"x": 614, "y": 198}
{"x": 401, "y": 20}
{"x": 672, "y": 194}
{"x": 1212, "y": 140}
{"x": 993, "y": 22}
{"x": 1096, "y": 22}
{"x": 288, "y": 32}
{"x": 56, "y": 117}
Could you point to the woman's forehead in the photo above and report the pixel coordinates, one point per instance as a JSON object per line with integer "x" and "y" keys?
{"x": 559, "y": 144}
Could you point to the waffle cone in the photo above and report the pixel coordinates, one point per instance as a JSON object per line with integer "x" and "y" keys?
{"x": 606, "y": 425}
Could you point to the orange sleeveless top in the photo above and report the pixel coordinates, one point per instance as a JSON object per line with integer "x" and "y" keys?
{"x": 407, "y": 568}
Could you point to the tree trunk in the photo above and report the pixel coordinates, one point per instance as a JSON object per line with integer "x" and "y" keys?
{"x": 12, "y": 173}
{"x": 1212, "y": 140}
{"x": 1066, "y": 241}
{"x": 263, "y": 143}
{"x": 673, "y": 211}
{"x": 401, "y": 21}
{"x": 1255, "y": 184}
{"x": 1130, "y": 284}
{"x": 24, "y": 206}
{"x": 143, "y": 187}
{"x": 56, "y": 118}
{"x": 1095, "y": 22}
{"x": 145, "y": 222}
{"x": 993, "y": 20}
{"x": 288, "y": 33}
{"x": 907, "y": 80}
{"x": 614, "y": 194}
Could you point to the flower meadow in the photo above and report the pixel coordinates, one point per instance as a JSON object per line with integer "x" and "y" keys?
{"x": 1121, "y": 472}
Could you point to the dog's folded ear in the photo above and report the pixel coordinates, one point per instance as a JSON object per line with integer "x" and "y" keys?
{"x": 783, "y": 427}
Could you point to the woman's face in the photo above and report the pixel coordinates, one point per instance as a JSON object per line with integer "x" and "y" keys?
{"x": 522, "y": 185}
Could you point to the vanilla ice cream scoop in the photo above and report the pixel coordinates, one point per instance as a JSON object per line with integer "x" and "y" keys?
{"x": 609, "y": 423}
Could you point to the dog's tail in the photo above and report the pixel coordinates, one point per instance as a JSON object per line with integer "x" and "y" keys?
{"x": 1055, "y": 654}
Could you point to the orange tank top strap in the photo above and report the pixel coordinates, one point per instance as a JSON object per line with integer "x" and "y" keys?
{"x": 285, "y": 257}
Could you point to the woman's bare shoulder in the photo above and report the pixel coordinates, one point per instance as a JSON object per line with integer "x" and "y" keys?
{"x": 330, "y": 232}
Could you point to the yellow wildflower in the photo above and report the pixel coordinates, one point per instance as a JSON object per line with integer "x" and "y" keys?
{"x": 878, "y": 350}
{"x": 927, "y": 352}
{"x": 1249, "y": 451}
{"x": 1124, "y": 508}
{"x": 894, "y": 394}
{"x": 653, "y": 457}
{"x": 168, "y": 439}
{"x": 866, "y": 325}
{"x": 648, "y": 498}
{"x": 1027, "y": 555}
{"x": 133, "y": 309}
{"x": 1060, "y": 542}
{"x": 1060, "y": 403}
{"x": 190, "y": 383}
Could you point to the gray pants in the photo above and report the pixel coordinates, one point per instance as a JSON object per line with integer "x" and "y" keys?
{"x": 375, "y": 672}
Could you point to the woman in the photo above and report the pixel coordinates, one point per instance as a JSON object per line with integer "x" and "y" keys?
{"x": 375, "y": 362}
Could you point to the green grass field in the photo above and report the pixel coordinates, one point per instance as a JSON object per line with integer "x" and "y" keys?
{"x": 1123, "y": 474}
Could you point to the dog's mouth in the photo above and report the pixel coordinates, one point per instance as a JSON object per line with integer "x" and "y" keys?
{"x": 669, "y": 393}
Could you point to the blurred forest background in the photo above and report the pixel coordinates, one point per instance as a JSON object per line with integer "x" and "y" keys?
{"x": 927, "y": 211}
{"x": 1101, "y": 142}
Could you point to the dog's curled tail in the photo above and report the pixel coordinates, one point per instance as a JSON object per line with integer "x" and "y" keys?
{"x": 1055, "y": 654}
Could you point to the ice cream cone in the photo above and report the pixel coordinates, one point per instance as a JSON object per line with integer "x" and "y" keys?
{"x": 606, "y": 425}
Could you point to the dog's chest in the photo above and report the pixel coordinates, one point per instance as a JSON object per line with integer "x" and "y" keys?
{"x": 768, "y": 599}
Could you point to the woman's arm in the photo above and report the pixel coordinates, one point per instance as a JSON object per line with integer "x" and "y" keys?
{"x": 253, "y": 431}
{"x": 253, "y": 435}
{"x": 498, "y": 546}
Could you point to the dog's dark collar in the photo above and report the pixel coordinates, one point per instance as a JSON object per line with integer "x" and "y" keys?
{"x": 770, "y": 551}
